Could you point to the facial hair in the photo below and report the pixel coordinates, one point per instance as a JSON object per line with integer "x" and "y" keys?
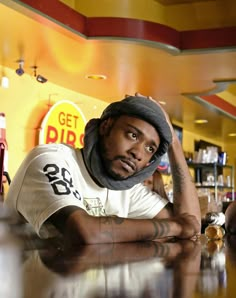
{"x": 107, "y": 163}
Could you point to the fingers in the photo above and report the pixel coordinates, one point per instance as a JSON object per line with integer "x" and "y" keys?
{"x": 148, "y": 97}
{"x": 190, "y": 226}
{"x": 196, "y": 238}
{"x": 139, "y": 94}
{"x": 151, "y": 98}
{"x": 164, "y": 112}
{"x": 127, "y": 95}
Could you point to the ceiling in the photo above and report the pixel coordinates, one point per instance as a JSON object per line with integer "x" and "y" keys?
{"x": 193, "y": 70}
{"x": 174, "y": 2}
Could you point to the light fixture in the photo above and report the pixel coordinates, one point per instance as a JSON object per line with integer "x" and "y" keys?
{"x": 232, "y": 134}
{"x": 38, "y": 77}
{"x": 200, "y": 121}
{"x": 4, "y": 82}
{"x": 20, "y": 70}
{"x": 96, "y": 77}
{"x": 41, "y": 79}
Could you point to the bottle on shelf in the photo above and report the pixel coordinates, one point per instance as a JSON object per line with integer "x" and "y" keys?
{"x": 4, "y": 146}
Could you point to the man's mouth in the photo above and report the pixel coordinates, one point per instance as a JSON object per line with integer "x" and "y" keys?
{"x": 128, "y": 165}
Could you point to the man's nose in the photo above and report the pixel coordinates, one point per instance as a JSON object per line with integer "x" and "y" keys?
{"x": 137, "y": 151}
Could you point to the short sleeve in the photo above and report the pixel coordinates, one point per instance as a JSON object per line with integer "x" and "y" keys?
{"x": 49, "y": 184}
{"x": 145, "y": 203}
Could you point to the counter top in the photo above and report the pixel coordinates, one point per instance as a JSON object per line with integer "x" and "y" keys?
{"x": 166, "y": 268}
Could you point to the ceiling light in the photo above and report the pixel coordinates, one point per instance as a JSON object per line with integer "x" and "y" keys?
{"x": 200, "y": 121}
{"x": 96, "y": 77}
{"x": 232, "y": 134}
{"x": 162, "y": 102}
{"x": 20, "y": 71}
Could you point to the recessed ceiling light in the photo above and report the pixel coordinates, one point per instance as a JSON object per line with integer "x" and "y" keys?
{"x": 200, "y": 121}
{"x": 232, "y": 134}
{"x": 96, "y": 77}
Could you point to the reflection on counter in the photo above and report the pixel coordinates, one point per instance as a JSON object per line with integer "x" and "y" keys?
{"x": 150, "y": 269}
{"x": 168, "y": 269}
{"x": 181, "y": 269}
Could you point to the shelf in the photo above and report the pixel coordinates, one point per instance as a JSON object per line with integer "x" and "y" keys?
{"x": 213, "y": 186}
{"x": 207, "y": 165}
{"x": 201, "y": 170}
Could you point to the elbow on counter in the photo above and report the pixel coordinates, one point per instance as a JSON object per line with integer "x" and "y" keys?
{"x": 83, "y": 229}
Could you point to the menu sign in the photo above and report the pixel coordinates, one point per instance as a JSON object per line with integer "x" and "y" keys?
{"x": 64, "y": 123}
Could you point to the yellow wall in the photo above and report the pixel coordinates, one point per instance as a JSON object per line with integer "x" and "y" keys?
{"x": 25, "y": 103}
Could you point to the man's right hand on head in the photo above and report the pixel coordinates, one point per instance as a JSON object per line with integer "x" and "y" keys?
{"x": 164, "y": 112}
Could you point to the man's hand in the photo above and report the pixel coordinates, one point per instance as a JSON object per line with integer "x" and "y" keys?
{"x": 164, "y": 112}
{"x": 189, "y": 225}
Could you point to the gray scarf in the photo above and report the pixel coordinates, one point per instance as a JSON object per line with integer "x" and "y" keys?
{"x": 135, "y": 106}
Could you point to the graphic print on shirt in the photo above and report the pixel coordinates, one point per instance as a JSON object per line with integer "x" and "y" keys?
{"x": 61, "y": 180}
{"x": 94, "y": 206}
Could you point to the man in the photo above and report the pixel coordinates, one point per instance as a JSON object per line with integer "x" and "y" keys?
{"x": 96, "y": 195}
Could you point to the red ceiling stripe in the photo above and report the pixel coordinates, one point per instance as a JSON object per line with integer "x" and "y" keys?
{"x": 59, "y": 12}
{"x": 208, "y": 38}
{"x": 133, "y": 28}
{"x": 220, "y": 103}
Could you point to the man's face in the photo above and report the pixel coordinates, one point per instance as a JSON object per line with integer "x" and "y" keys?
{"x": 127, "y": 145}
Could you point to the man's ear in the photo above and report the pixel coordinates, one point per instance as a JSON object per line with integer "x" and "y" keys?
{"x": 105, "y": 126}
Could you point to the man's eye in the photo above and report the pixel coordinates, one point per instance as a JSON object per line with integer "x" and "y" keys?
{"x": 132, "y": 135}
{"x": 150, "y": 149}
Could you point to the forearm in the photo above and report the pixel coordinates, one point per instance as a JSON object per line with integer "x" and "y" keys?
{"x": 89, "y": 256}
{"x": 82, "y": 228}
{"x": 186, "y": 272}
{"x": 184, "y": 191}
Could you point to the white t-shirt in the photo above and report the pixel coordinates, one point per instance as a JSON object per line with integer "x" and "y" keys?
{"x": 54, "y": 176}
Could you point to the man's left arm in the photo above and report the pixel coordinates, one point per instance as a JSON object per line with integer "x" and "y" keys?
{"x": 185, "y": 195}
{"x": 185, "y": 198}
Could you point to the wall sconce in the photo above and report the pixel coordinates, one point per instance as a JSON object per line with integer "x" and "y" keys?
{"x": 20, "y": 70}
{"x": 4, "y": 82}
{"x": 39, "y": 77}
